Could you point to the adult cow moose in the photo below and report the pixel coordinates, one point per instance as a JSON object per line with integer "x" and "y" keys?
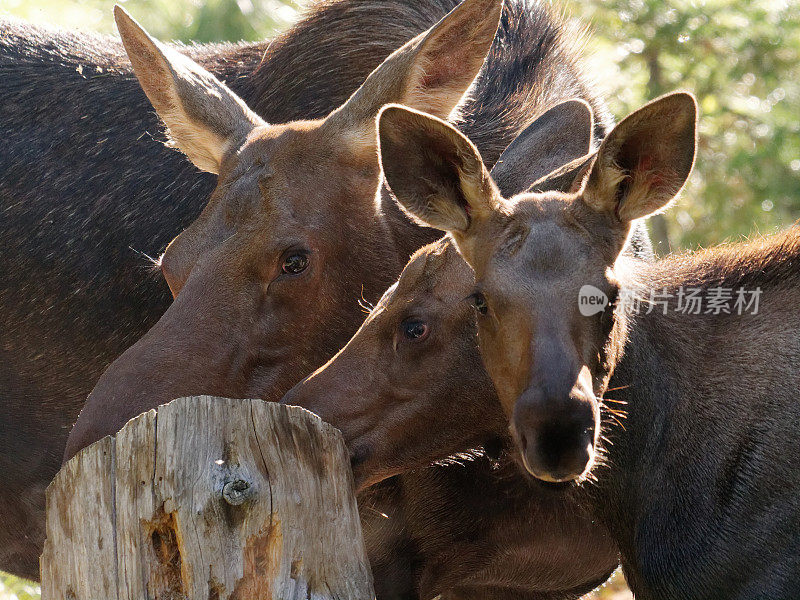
{"x": 84, "y": 186}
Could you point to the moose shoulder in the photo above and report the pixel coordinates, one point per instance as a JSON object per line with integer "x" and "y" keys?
{"x": 677, "y": 426}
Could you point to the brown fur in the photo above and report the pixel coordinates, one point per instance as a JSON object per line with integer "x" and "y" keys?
{"x": 88, "y": 188}
{"x": 698, "y": 482}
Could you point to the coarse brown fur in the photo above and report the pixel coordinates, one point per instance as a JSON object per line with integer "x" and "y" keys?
{"x": 696, "y": 477}
{"x": 705, "y": 434}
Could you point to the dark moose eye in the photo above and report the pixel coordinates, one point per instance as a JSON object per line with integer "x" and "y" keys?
{"x": 479, "y": 302}
{"x": 414, "y": 329}
{"x": 295, "y": 263}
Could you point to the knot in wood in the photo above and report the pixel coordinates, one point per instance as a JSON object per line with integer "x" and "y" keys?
{"x": 236, "y": 492}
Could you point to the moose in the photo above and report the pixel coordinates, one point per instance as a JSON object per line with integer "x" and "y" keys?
{"x": 690, "y": 463}
{"x": 414, "y": 360}
{"x": 86, "y": 190}
{"x": 267, "y": 280}
{"x": 293, "y": 228}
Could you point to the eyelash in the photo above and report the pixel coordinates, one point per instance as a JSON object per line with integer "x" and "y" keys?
{"x": 478, "y": 302}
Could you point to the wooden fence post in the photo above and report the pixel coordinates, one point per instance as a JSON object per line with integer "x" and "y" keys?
{"x": 208, "y": 499}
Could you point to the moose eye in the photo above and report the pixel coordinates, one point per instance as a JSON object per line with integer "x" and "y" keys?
{"x": 414, "y": 329}
{"x": 479, "y": 303}
{"x": 295, "y": 263}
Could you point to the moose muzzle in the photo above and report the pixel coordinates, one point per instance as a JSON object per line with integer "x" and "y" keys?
{"x": 556, "y": 434}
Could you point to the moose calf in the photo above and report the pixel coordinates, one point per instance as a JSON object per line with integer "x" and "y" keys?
{"x": 699, "y": 485}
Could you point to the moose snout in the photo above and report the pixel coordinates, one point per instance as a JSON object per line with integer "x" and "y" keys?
{"x": 308, "y": 396}
{"x": 556, "y": 436}
{"x": 342, "y": 410}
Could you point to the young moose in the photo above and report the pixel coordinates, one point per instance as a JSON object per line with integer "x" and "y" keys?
{"x": 414, "y": 363}
{"x": 698, "y": 483}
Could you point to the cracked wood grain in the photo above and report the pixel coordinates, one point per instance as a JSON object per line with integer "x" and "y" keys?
{"x": 143, "y": 515}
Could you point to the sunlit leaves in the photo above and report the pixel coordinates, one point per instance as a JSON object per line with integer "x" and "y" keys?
{"x": 742, "y": 60}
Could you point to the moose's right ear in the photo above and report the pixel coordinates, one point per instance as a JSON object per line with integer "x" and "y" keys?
{"x": 645, "y": 160}
{"x": 433, "y": 170}
{"x": 563, "y": 134}
{"x": 431, "y": 72}
{"x": 205, "y": 119}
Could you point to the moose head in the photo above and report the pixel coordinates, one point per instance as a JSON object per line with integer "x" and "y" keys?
{"x": 532, "y": 255}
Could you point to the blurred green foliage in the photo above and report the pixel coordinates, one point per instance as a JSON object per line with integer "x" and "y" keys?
{"x": 14, "y": 588}
{"x": 740, "y": 57}
{"x": 183, "y": 20}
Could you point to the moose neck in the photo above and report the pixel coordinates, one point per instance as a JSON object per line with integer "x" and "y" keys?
{"x": 702, "y": 393}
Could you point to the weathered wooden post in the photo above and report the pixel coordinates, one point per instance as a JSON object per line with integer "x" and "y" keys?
{"x": 208, "y": 499}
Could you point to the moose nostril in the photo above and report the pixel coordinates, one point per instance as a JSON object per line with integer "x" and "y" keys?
{"x": 557, "y": 451}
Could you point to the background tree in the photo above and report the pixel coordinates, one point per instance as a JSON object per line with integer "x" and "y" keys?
{"x": 742, "y": 60}
{"x": 178, "y": 20}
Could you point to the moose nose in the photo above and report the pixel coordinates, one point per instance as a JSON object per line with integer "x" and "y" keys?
{"x": 317, "y": 398}
{"x": 556, "y": 436}
{"x": 301, "y": 395}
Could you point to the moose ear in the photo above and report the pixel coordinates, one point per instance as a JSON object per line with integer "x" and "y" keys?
{"x": 431, "y": 73}
{"x": 644, "y": 162}
{"x": 205, "y": 118}
{"x": 561, "y": 135}
{"x": 435, "y": 173}
{"x": 566, "y": 178}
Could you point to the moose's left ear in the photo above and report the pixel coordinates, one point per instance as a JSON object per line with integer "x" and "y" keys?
{"x": 433, "y": 170}
{"x": 644, "y": 162}
{"x": 561, "y": 135}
